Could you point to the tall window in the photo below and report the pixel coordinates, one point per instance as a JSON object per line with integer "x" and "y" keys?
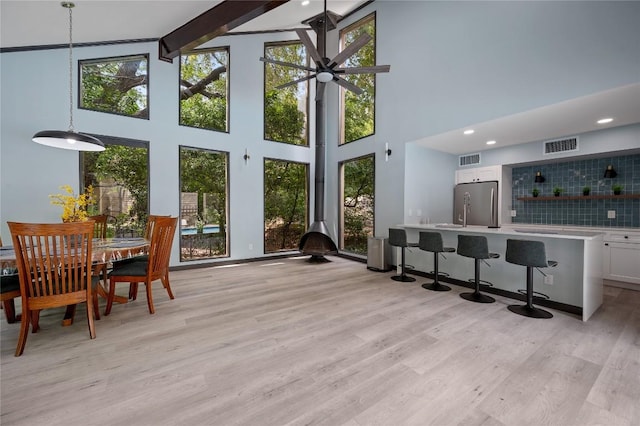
{"x": 357, "y": 118}
{"x": 286, "y": 204}
{"x": 120, "y": 177}
{"x": 203, "y": 204}
{"x": 115, "y": 85}
{"x": 285, "y": 110}
{"x": 204, "y": 89}
{"x": 357, "y": 210}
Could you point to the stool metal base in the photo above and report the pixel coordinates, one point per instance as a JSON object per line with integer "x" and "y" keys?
{"x": 477, "y": 297}
{"x": 530, "y": 311}
{"x": 436, "y": 286}
{"x": 403, "y": 278}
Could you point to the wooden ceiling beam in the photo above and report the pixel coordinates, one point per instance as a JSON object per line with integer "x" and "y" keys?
{"x": 215, "y": 22}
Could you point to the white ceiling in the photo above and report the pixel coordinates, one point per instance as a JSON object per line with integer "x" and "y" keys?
{"x": 568, "y": 118}
{"x": 36, "y": 23}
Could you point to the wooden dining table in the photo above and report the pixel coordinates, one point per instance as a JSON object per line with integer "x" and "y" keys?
{"x": 103, "y": 251}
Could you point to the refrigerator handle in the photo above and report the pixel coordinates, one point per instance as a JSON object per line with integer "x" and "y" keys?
{"x": 494, "y": 218}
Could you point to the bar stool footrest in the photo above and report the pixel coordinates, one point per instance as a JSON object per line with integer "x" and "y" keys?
{"x": 440, "y": 274}
{"x": 535, "y": 293}
{"x": 482, "y": 282}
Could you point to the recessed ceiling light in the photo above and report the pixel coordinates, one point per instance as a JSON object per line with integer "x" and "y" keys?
{"x": 469, "y": 132}
{"x": 605, "y": 120}
{"x": 490, "y": 142}
{"x": 305, "y": 2}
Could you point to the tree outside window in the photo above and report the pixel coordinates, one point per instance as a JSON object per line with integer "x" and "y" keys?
{"x": 204, "y": 89}
{"x": 358, "y": 111}
{"x": 358, "y": 196}
{"x": 285, "y": 110}
{"x": 120, "y": 177}
{"x": 115, "y": 85}
{"x": 286, "y": 204}
{"x": 203, "y": 204}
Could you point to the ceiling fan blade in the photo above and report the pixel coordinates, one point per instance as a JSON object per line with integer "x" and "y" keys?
{"x": 308, "y": 44}
{"x": 363, "y": 70}
{"x": 350, "y": 50}
{"x": 287, "y": 64}
{"x": 344, "y": 83}
{"x": 294, "y": 82}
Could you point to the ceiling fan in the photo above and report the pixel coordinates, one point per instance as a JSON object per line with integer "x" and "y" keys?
{"x": 326, "y": 69}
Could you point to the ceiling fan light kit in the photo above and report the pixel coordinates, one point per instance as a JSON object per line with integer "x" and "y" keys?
{"x": 325, "y": 69}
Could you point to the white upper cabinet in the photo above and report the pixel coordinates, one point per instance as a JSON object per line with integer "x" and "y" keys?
{"x": 479, "y": 174}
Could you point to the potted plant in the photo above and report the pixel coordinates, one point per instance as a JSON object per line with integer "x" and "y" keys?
{"x": 557, "y": 191}
{"x": 535, "y": 192}
{"x": 617, "y": 189}
{"x": 586, "y": 190}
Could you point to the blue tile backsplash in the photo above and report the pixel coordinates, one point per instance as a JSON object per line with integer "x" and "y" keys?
{"x": 572, "y": 176}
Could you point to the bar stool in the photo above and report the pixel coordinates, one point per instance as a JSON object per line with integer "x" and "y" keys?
{"x": 398, "y": 238}
{"x": 476, "y": 247}
{"x": 432, "y": 242}
{"x": 532, "y": 255}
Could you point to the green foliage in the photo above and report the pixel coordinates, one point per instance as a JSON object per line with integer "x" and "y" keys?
{"x": 285, "y": 204}
{"x": 127, "y": 167}
{"x": 358, "y": 203}
{"x": 115, "y": 86}
{"x": 203, "y": 88}
{"x": 205, "y": 173}
{"x": 285, "y": 110}
{"x": 359, "y": 110}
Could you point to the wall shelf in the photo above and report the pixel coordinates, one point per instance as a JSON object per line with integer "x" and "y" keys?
{"x": 579, "y": 197}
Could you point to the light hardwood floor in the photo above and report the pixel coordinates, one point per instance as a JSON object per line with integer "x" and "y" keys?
{"x": 289, "y": 342}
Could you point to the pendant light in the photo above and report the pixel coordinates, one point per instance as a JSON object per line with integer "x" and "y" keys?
{"x": 69, "y": 139}
{"x": 609, "y": 173}
{"x": 539, "y": 178}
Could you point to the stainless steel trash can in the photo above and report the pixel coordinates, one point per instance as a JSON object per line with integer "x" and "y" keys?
{"x": 378, "y": 254}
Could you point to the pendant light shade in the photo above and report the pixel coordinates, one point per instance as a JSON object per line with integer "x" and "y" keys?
{"x": 539, "y": 178}
{"x": 610, "y": 173}
{"x": 69, "y": 139}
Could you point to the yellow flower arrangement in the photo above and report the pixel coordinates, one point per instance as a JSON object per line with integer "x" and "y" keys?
{"x": 74, "y": 208}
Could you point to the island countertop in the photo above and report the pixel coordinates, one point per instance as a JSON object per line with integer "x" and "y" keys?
{"x": 511, "y": 230}
{"x": 576, "y": 281}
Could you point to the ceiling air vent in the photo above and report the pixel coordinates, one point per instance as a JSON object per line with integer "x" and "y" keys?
{"x": 561, "y": 145}
{"x": 468, "y": 160}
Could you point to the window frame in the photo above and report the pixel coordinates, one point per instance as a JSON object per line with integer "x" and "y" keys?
{"x": 82, "y": 62}
{"x": 116, "y": 140}
{"x": 227, "y": 205}
{"x": 341, "y": 227}
{"x": 307, "y": 199}
{"x": 227, "y": 48}
{"x": 264, "y": 92}
{"x": 341, "y": 120}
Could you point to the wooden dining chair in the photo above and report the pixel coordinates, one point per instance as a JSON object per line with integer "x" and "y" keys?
{"x": 100, "y": 231}
{"x": 9, "y": 290}
{"x": 155, "y": 268}
{"x": 54, "y": 268}
{"x": 100, "y": 226}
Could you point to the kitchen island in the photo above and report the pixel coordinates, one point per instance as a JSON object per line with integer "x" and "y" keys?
{"x": 576, "y": 281}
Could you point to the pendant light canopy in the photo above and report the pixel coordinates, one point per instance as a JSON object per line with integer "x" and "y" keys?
{"x": 69, "y": 139}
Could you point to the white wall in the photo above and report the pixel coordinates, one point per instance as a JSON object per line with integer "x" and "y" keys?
{"x": 35, "y": 97}
{"x": 457, "y": 63}
{"x": 452, "y": 63}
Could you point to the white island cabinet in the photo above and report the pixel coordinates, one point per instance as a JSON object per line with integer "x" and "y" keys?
{"x": 622, "y": 258}
{"x": 577, "y": 281}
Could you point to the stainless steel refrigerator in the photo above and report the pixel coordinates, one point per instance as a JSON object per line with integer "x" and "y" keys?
{"x": 479, "y": 201}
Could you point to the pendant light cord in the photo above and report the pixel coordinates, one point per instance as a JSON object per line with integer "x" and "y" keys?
{"x": 70, "y": 7}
